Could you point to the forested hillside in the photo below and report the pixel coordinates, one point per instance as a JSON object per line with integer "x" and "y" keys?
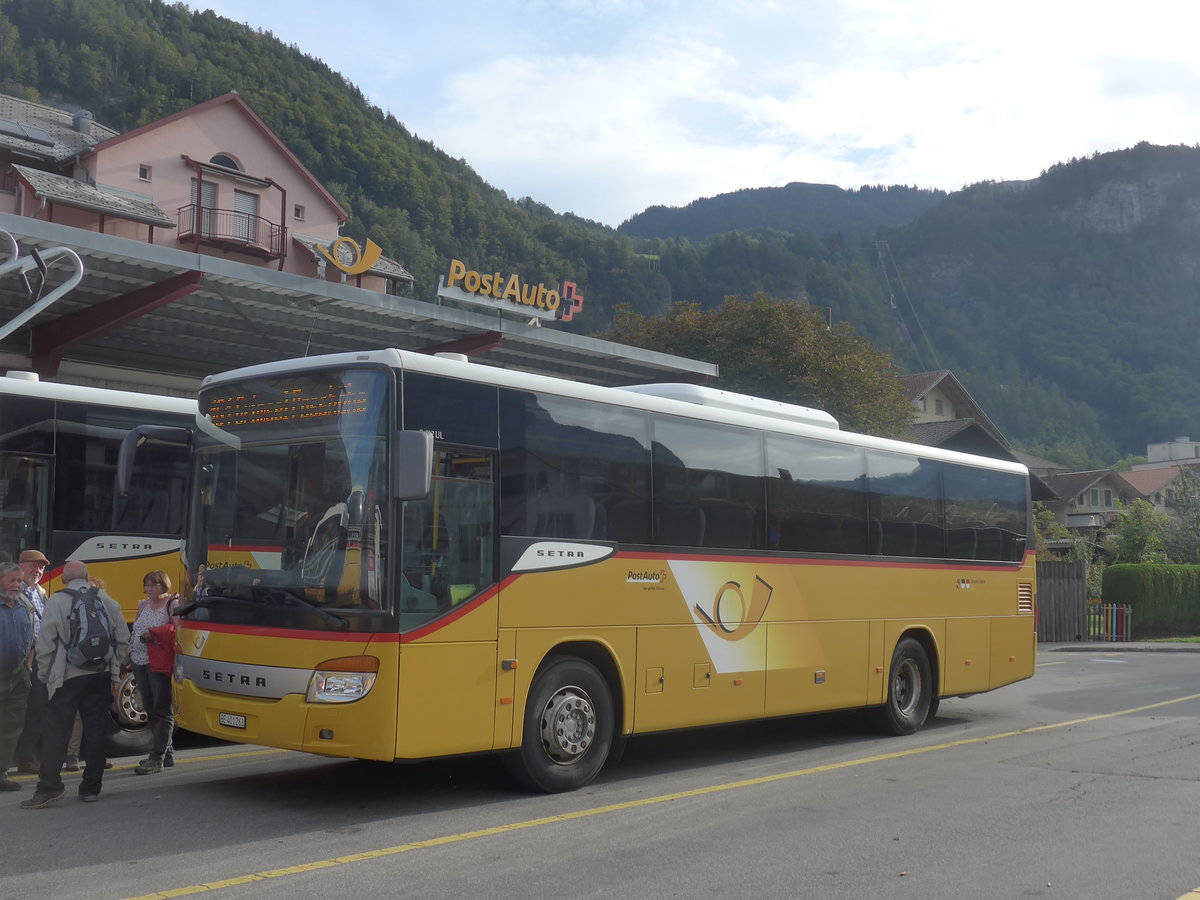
{"x": 811, "y": 208}
{"x": 1066, "y": 305}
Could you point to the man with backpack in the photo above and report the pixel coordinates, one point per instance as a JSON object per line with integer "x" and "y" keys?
{"x": 80, "y": 648}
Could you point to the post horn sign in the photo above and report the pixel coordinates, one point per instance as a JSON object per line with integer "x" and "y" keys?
{"x": 352, "y": 259}
{"x": 498, "y": 290}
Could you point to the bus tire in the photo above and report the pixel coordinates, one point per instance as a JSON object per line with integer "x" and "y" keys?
{"x": 567, "y": 729}
{"x": 909, "y": 691}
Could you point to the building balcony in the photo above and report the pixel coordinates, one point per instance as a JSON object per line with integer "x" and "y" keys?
{"x": 229, "y": 229}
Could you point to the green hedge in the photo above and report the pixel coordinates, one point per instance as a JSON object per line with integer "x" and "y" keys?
{"x": 1165, "y": 600}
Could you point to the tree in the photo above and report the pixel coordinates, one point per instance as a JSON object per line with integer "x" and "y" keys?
{"x": 1183, "y": 535}
{"x": 781, "y": 350}
{"x": 1137, "y": 534}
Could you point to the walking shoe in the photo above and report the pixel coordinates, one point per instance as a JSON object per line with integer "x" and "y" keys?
{"x": 89, "y": 798}
{"x": 71, "y": 763}
{"x": 7, "y": 784}
{"x": 168, "y": 759}
{"x": 42, "y": 799}
{"x": 28, "y": 768}
{"x": 148, "y": 766}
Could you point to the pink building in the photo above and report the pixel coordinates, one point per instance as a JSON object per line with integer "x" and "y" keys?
{"x": 212, "y": 179}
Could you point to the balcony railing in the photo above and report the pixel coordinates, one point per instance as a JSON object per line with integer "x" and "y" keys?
{"x": 231, "y": 230}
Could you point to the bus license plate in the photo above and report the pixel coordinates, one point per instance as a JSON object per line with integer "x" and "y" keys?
{"x": 231, "y": 721}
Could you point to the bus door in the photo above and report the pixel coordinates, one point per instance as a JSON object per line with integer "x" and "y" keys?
{"x": 448, "y": 668}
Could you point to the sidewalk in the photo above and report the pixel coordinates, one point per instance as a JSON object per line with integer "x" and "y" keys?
{"x": 1119, "y": 647}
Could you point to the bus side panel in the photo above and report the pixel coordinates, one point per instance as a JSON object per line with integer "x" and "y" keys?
{"x": 815, "y": 666}
{"x": 967, "y": 664}
{"x": 121, "y": 562}
{"x": 679, "y": 685}
{"x": 447, "y": 699}
{"x": 1014, "y": 649}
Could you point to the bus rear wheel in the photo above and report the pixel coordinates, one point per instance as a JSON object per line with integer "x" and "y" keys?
{"x": 567, "y": 730}
{"x": 910, "y": 691}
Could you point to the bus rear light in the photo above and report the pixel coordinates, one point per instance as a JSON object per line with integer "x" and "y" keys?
{"x": 342, "y": 680}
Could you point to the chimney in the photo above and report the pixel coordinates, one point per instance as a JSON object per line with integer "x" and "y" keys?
{"x": 82, "y": 122}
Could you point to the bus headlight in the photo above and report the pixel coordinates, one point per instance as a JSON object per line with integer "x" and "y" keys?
{"x": 342, "y": 680}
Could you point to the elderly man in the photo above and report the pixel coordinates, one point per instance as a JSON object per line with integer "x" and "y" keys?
{"x": 33, "y": 567}
{"x": 74, "y": 686}
{"x": 16, "y": 655}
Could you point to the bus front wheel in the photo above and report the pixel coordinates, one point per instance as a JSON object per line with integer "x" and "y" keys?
{"x": 910, "y": 690}
{"x": 567, "y": 730}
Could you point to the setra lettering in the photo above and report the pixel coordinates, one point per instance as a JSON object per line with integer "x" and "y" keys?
{"x": 232, "y": 678}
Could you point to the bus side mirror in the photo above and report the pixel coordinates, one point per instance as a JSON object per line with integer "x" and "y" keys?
{"x": 163, "y": 434}
{"x": 412, "y": 464}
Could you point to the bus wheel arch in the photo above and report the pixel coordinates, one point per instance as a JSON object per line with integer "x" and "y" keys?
{"x": 911, "y": 697}
{"x": 569, "y": 722}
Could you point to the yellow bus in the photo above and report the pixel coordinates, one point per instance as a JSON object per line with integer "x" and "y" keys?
{"x": 412, "y": 557}
{"x": 59, "y": 445}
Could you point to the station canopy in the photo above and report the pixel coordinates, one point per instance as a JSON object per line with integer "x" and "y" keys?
{"x": 155, "y": 309}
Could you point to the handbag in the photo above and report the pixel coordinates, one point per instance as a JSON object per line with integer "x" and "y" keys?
{"x": 161, "y": 650}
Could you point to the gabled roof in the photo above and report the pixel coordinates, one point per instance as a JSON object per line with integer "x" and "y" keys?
{"x": 1150, "y": 481}
{"x": 235, "y": 100}
{"x": 918, "y": 385}
{"x": 1037, "y": 464}
{"x": 1072, "y": 484}
{"x": 69, "y": 192}
{"x": 57, "y": 125}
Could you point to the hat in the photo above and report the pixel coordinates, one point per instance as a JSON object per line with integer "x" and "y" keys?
{"x": 33, "y": 556}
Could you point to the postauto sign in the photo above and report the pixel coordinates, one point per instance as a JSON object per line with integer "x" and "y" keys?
{"x": 504, "y": 290}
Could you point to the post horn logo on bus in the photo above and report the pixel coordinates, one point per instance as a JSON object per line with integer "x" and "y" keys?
{"x": 495, "y": 288}
{"x": 352, "y": 259}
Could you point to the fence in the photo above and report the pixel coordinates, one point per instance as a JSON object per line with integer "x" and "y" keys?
{"x": 1109, "y": 622}
{"x": 1062, "y": 601}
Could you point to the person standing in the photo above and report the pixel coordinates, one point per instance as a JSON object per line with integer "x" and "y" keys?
{"x": 33, "y": 566}
{"x": 16, "y": 656}
{"x": 156, "y": 610}
{"x": 73, "y": 686}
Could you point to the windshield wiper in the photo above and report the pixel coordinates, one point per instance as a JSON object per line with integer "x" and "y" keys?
{"x": 264, "y": 596}
{"x": 292, "y": 594}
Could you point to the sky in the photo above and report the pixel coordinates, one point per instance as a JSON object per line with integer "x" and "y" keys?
{"x": 603, "y": 108}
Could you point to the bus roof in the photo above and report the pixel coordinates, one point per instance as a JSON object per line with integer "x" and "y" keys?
{"x": 656, "y": 398}
{"x": 20, "y": 385}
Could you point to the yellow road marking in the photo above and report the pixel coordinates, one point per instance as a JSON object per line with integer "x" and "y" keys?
{"x": 632, "y": 804}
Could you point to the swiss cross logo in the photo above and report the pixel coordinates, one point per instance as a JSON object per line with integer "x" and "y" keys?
{"x": 572, "y": 300}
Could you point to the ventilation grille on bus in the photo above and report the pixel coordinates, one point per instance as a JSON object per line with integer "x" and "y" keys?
{"x": 1024, "y": 597}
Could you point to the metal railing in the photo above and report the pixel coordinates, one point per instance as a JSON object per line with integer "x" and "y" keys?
{"x": 230, "y": 228}
{"x": 1109, "y": 622}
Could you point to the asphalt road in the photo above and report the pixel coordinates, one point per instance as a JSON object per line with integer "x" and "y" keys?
{"x": 1081, "y": 782}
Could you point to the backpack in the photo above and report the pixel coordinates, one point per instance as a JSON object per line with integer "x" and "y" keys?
{"x": 92, "y": 641}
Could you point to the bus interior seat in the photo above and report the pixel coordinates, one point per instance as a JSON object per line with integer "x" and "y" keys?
{"x": 1014, "y": 546}
{"x": 681, "y": 524}
{"x": 961, "y": 543}
{"x": 989, "y": 544}
{"x": 628, "y": 521}
{"x": 899, "y": 538}
{"x": 930, "y": 540}
{"x": 853, "y": 536}
{"x": 561, "y": 517}
{"x": 728, "y": 525}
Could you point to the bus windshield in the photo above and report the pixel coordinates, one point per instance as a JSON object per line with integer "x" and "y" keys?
{"x": 290, "y": 502}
